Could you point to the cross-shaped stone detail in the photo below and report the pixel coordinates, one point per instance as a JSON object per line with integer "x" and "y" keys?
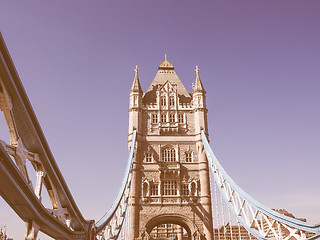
{"x": 197, "y": 69}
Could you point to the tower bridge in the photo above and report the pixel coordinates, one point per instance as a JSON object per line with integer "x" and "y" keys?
{"x": 174, "y": 186}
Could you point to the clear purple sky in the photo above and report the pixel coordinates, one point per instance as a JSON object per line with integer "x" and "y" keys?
{"x": 260, "y": 65}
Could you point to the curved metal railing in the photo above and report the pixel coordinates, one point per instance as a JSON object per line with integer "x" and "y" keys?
{"x": 110, "y": 225}
{"x": 259, "y": 220}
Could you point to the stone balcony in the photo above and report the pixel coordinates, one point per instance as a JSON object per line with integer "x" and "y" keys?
{"x": 169, "y": 127}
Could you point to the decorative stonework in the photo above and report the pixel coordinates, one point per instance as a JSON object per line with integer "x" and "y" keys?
{"x": 170, "y": 167}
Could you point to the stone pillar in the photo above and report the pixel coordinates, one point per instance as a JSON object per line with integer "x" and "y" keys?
{"x": 205, "y": 191}
{"x": 133, "y": 231}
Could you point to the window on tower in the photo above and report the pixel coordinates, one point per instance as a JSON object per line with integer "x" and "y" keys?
{"x": 149, "y": 157}
{"x": 180, "y": 118}
{"x": 163, "y": 118}
{"x": 145, "y": 189}
{"x": 171, "y": 101}
{"x": 193, "y": 188}
{"x": 163, "y": 101}
{"x": 154, "y": 189}
{"x": 172, "y": 118}
{"x": 188, "y": 156}
{"x": 184, "y": 189}
{"x": 168, "y": 155}
{"x": 199, "y": 100}
{"x": 169, "y": 188}
{"x": 135, "y": 100}
{"x": 154, "y": 118}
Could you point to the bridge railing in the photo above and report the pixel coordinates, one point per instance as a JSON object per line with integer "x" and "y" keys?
{"x": 110, "y": 225}
{"x": 259, "y": 220}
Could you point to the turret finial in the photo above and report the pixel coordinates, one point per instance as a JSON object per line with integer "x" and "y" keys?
{"x": 165, "y": 56}
{"x": 136, "y": 84}
{"x": 197, "y": 70}
{"x": 136, "y": 69}
{"x": 198, "y": 84}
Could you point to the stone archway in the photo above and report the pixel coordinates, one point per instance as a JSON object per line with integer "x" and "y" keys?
{"x": 177, "y": 219}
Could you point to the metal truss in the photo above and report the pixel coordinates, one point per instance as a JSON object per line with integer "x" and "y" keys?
{"x": 27, "y": 144}
{"x": 259, "y": 220}
{"x": 110, "y": 225}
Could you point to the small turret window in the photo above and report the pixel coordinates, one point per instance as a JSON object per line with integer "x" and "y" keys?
{"x": 135, "y": 101}
{"x": 199, "y": 100}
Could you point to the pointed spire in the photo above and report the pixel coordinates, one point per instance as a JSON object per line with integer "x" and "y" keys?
{"x": 198, "y": 87}
{"x": 136, "y": 87}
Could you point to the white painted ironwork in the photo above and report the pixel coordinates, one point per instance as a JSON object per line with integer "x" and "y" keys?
{"x": 21, "y": 155}
{"x": 259, "y": 220}
{"x": 63, "y": 220}
{"x": 110, "y": 225}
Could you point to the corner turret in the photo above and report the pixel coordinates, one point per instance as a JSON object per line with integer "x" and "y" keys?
{"x": 135, "y": 103}
{"x": 135, "y": 91}
{"x": 199, "y": 103}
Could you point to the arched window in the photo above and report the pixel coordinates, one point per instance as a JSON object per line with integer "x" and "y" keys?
{"x": 145, "y": 189}
{"x": 168, "y": 155}
{"x": 193, "y": 188}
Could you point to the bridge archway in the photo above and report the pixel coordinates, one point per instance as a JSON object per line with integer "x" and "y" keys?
{"x": 177, "y": 219}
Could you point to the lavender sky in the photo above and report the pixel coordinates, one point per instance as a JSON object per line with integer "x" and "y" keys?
{"x": 260, "y": 66}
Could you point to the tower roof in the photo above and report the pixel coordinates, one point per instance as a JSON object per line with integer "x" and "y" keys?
{"x": 198, "y": 87}
{"x": 136, "y": 87}
{"x": 166, "y": 73}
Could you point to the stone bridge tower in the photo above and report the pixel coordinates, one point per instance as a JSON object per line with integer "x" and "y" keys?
{"x": 170, "y": 184}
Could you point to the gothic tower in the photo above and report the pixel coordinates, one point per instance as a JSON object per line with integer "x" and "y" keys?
{"x": 170, "y": 184}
